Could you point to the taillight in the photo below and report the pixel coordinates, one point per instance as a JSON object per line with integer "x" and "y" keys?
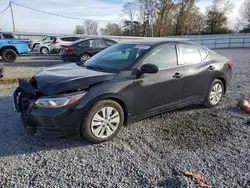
{"x": 29, "y": 43}
{"x": 54, "y": 42}
{"x": 69, "y": 48}
{"x": 230, "y": 64}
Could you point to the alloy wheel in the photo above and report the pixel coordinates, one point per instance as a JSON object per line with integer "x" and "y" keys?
{"x": 85, "y": 57}
{"x": 45, "y": 51}
{"x": 216, "y": 93}
{"x": 105, "y": 122}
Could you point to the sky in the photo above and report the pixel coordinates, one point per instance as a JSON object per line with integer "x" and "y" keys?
{"x": 107, "y": 10}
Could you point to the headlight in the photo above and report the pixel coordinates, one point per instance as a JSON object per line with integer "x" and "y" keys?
{"x": 57, "y": 102}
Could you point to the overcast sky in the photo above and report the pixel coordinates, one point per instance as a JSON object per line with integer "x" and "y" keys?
{"x": 108, "y": 10}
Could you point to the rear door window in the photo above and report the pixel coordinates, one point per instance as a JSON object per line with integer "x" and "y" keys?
{"x": 68, "y": 39}
{"x": 190, "y": 54}
{"x": 84, "y": 43}
{"x": 96, "y": 43}
{"x": 75, "y": 38}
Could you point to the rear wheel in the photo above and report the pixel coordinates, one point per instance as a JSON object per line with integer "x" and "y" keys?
{"x": 9, "y": 55}
{"x": 215, "y": 94}
{"x": 103, "y": 121}
{"x": 84, "y": 57}
{"x": 44, "y": 50}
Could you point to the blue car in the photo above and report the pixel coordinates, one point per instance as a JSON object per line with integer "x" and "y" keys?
{"x": 11, "y": 48}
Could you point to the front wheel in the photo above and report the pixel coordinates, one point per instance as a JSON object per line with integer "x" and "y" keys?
{"x": 9, "y": 55}
{"x": 44, "y": 50}
{"x": 215, "y": 94}
{"x": 103, "y": 121}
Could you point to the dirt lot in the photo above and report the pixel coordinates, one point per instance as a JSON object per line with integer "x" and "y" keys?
{"x": 149, "y": 153}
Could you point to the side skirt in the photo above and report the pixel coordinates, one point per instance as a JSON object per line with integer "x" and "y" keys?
{"x": 157, "y": 112}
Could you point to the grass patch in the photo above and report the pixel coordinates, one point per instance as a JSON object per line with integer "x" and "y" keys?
{"x": 12, "y": 80}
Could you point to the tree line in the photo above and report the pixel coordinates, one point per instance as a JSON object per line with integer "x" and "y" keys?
{"x": 171, "y": 17}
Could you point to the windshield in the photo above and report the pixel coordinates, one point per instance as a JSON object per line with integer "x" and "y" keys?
{"x": 118, "y": 57}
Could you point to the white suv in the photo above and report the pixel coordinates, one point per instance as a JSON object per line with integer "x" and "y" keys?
{"x": 46, "y": 40}
{"x": 59, "y": 42}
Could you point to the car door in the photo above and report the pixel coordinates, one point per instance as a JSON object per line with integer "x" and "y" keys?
{"x": 96, "y": 45}
{"x": 198, "y": 72}
{"x": 163, "y": 89}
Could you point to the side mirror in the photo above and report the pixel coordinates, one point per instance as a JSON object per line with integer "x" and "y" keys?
{"x": 149, "y": 68}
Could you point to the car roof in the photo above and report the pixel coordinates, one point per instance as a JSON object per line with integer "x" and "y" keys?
{"x": 152, "y": 42}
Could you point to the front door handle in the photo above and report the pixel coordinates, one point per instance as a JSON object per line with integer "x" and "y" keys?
{"x": 211, "y": 67}
{"x": 177, "y": 75}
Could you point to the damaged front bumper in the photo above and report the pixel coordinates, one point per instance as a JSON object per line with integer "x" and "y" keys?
{"x": 45, "y": 122}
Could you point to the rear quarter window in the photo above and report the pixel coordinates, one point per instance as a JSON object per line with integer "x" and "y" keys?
{"x": 190, "y": 54}
{"x": 203, "y": 53}
{"x": 109, "y": 42}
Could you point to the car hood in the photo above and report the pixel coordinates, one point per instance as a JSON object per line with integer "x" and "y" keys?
{"x": 70, "y": 77}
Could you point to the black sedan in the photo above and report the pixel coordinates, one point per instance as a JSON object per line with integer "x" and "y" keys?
{"x": 1, "y": 70}
{"x": 123, "y": 83}
{"x": 84, "y": 49}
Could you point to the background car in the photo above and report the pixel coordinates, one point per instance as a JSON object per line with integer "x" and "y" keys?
{"x": 8, "y": 36}
{"x": 10, "y": 49}
{"x": 58, "y": 42}
{"x": 1, "y": 70}
{"x": 44, "y": 48}
{"x": 35, "y": 44}
{"x": 84, "y": 49}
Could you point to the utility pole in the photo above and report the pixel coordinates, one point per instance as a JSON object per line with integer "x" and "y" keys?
{"x": 12, "y": 15}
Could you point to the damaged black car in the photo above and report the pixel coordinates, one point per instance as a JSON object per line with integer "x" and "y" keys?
{"x": 123, "y": 83}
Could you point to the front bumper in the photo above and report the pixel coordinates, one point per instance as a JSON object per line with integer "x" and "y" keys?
{"x": 47, "y": 123}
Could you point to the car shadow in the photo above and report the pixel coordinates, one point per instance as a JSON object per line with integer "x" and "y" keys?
{"x": 15, "y": 141}
{"x": 170, "y": 182}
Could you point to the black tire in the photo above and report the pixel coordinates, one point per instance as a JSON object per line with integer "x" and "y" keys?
{"x": 208, "y": 103}
{"x": 84, "y": 57}
{"x": 44, "y": 50}
{"x": 9, "y": 55}
{"x": 86, "y": 126}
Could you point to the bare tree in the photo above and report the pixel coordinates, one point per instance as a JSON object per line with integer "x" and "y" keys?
{"x": 79, "y": 29}
{"x": 165, "y": 9}
{"x": 216, "y": 19}
{"x": 129, "y": 9}
{"x": 245, "y": 11}
{"x": 147, "y": 15}
{"x": 111, "y": 29}
{"x": 91, "y": 27}
{"x": 225, "y": 6}
{"x": 238, "y": 25}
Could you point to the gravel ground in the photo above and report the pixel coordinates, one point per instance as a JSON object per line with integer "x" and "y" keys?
{"x": 149, "y": 153}
{"x": 27, "y": 65}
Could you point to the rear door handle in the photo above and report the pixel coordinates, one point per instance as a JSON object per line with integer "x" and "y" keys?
{"x": 178, "y": 75}
{"x": 211, "y": 67}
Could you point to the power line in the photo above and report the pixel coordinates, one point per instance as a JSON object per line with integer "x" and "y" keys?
{"x": 5, "y": 9}
{"x": 70, "y": 17}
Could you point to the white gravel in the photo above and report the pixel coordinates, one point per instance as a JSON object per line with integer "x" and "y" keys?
{"x": 149, "y": 153}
